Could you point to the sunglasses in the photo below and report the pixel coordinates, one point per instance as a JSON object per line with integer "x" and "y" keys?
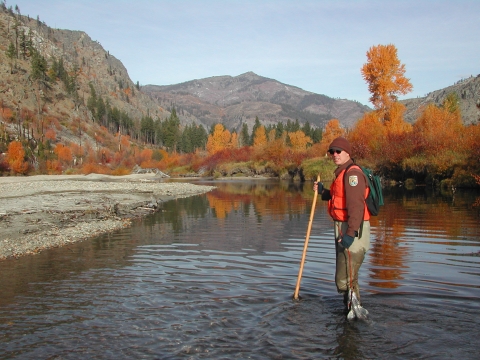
{"x": 331, "y": 151}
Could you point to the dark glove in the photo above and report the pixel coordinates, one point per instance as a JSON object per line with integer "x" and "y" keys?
{"x": 347, "y": 241}
{"x": 319, "y": 187}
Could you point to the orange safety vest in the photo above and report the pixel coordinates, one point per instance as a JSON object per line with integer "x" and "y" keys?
{"x": 337, "y": 204}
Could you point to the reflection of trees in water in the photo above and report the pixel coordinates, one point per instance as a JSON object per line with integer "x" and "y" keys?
{"x": 175, "y": 211}
{"x": 387, "y": 256}
{"x": 477, "y": 202}
{"x": 277, "y": 199}
{"x": 421, "y": 212}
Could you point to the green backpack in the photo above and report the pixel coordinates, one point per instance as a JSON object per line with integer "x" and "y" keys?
{"x": 375, "y": 197}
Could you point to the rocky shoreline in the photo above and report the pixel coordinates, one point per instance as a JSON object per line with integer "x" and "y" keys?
{"x": 46, "y": 211}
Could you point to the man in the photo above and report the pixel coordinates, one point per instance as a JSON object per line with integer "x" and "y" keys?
{"x": 346, "y": 205}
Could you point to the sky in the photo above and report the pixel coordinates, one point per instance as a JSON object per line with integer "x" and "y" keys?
{"x": 317, "y": 45}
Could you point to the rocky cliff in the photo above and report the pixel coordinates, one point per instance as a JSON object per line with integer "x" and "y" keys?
{"x": 468, "y": 93}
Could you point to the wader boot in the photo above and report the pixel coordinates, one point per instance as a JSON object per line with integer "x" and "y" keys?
{"x": 346, "y": 277}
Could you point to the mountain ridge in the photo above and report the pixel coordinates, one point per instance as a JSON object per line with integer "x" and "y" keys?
{"x": 237, "y": 99}
{"x": 230, "y": 100}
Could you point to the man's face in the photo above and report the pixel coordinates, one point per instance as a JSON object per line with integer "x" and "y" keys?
{"x": 339, "y": 158}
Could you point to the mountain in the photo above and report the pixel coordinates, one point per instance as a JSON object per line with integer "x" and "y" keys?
{"x": 468, "y": 93}
{"x": 237, "y": 100}
{"x": 84, "y": 62}
{"x": 29, "y": 105}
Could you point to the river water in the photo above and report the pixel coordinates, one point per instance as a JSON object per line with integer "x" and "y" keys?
{"x": 212, "y": 277}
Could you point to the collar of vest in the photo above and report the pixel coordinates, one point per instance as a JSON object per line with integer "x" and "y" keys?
{"x": 343, "y": 167}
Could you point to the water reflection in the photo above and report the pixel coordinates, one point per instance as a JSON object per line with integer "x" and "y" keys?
{"x": 212, "y": 276}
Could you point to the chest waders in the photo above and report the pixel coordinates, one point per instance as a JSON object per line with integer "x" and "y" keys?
{"x": 356, "y": 311}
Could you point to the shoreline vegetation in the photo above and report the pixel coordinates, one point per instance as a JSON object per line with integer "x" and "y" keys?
{"x": 46, "y": 211}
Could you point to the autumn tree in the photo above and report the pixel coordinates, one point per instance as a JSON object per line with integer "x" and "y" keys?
{"x": 396, "y": 124}
{"x": 16, "y": 158}
{"x": 64, "y": 154}
{"x": 299, "y": 141}
{"x": 260, "y": 137}
{"x": 384, "y": 75}
{"x": 435, "y": 127}
{"x": 220, "y": 139}
{"x": 332, "y": 131}
{"x": 367, "y": 136}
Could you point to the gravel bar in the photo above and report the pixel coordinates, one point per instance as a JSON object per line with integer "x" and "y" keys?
{"x": 45, "y": 211}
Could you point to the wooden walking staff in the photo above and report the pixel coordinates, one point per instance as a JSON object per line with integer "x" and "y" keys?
{"x": 305, "y": 246}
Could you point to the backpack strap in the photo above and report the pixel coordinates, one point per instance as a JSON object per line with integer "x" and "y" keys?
{"x": 344, "y": 189}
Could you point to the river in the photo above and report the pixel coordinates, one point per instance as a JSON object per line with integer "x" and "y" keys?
{"x": 212, "y": 277}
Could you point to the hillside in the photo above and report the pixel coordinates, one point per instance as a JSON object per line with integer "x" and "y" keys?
{"x": 87, "y": 64}
{"x": 87, "y": 73}
{"x": 468, "y": 93}
{"x": 237, "y": 100}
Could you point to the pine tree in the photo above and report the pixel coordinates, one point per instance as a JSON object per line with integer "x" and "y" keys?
{"x": 39, "y": 67}
{"x": 11, "y": 55}
{"x": 244, "y": 135}
{"x": 255, "y": 127}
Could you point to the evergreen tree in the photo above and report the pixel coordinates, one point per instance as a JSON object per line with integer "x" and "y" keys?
{"x": 280, "y": 128}
{"x": 255, "y": 127}
{"x": 23, "y": 45}
{"x": 186, "y": 144}
{"x": 101, "y": 110}
{"x": 147, "y": 129}
{"x": 200, "y": 137}
{"x": 307, "y": 129}
{"x": 126, "y": 123}
{"x": 39, "y": 67}
{"x": 171, "y": 131}
{"x": 244, "y": 136}
{"x": 296, "y": 126}
{"x": 11, "y": 55}
{"x": 92, "y": 101}
{"x": 114, "y": 117}
{"x": 289, "y": 126}
{"x": 316, "y": 135}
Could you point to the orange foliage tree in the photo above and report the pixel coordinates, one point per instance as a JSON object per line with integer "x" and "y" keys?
{"x": 367, "y": 136}
{"x": 395, "y": 124}
{"x": 51, "y": 135}
{"x": 16, "y": 158}
{"x": 219, "y": 140}
{"x": 332, "y": 131}
{"x": 275, "y": 151}
{"x": 384, "y": 75}
{"x": 64, "y": 154}
{"x": 434, "y": 128}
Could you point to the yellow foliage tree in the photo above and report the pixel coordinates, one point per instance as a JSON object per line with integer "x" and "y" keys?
{"x": 260, "y": 138}
{"x": 271, "y": 135}
{"x": 299, "y": 140}
{"x": 219, "y": 140}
